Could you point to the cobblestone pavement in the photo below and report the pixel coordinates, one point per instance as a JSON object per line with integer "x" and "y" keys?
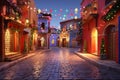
{"x": 57, "y": 64}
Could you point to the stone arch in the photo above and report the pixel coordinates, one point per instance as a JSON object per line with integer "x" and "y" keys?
{"x": 94, "y": 41}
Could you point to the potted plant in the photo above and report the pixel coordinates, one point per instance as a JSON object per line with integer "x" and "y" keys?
{"x": 102, "y": 51}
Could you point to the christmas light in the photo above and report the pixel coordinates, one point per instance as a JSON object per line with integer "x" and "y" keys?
{"x": 61, "y": 10}
{"x": 76, "y": 10}
{"x": 63, "y": 18}
{"x": 67, "y": 10}
{"x": 39, "y": 11}
{"x": 75, "y": 17}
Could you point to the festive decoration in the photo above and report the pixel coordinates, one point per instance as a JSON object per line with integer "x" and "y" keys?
{"x": 61, "y": 10}
{"x": 102, "y": 51}
{"x": 61, "y": 14}
{"x": 51, "y": 10}
{"x": 110, "y": 14}
{"x": 75, "y": 17}
{"x": 67, "y": 10}
{"x": 76, "y": 10}
{"x": 39, "y": 10}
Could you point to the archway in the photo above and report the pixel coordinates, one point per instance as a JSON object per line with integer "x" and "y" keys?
{"x": 11, "y": 42}
{"x": 110, "y": 42}
{"x": 7, "y": 41}
{"x": 94, "y": 41}
{"x": 42, "y": 41}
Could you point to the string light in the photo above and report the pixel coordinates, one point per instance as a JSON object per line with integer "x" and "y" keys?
{"x": 76, "y": 10}
{"x": 62, "y": 14}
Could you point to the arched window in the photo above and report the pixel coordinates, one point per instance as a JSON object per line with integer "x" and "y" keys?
{"x": 43, "y": 26}
{"x": 107, "y": 1}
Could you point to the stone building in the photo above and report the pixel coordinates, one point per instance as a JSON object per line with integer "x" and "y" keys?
{"x": 43, "y": 30}
{"x": 14, "y": 38}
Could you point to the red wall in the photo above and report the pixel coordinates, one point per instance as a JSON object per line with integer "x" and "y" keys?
{"x": 102, "y": 25}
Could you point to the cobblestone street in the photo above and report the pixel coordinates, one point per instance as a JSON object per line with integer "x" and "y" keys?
{"x": 57, "y": 64}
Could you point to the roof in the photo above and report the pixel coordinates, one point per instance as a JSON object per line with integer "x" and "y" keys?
{"x": 79, "y": 19}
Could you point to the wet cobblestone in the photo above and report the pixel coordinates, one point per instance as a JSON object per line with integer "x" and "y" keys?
{"x": 57, "y": 64}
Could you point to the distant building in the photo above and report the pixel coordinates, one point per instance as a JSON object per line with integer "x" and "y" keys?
{"x": 43, "y": 29}
{"x": 69, "y": 33}
{"x": 54, "y": 37}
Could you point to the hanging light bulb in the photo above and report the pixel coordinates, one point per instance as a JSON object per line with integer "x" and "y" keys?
{"x": 76, "y": 10}
{"x": 39, "y": 11}
{"x": 75, "y": 17}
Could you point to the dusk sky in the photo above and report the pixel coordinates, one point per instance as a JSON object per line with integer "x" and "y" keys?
{"x": 60, "y": 9}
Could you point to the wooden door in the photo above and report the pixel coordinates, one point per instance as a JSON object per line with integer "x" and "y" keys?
{"x": 111, "y": 44}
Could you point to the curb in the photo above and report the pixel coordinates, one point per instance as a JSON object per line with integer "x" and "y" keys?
{"x": 97, "y": 64}
{"x": 9, "y": 64}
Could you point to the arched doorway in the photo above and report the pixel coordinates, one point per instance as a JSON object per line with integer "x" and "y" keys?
{"x": 58, "y": 42}
{"x": 11, "y": 42}
{"x": 110, "y": 42}
{"x": 94, "y": 41}
{"x": 7, "y": 41}
{"x": 64, "y": 42}
{"x": 42, "y": 40}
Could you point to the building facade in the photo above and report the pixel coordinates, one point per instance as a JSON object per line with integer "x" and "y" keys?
{"x": 69, "y": 34}
{"x": 100, "y": 22}
{"x": 54, "y": 38}
{"x": 13, "y": 23}
{"x": 43, "y": 30}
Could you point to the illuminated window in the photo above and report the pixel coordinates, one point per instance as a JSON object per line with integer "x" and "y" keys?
{"x": 42, "y": 41}
{"x": 53, "y": 41}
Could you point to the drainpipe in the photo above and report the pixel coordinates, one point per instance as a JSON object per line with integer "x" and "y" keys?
{"x": 119, "y": 40}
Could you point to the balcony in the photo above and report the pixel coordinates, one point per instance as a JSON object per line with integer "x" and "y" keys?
{"x": 89, "y": 11}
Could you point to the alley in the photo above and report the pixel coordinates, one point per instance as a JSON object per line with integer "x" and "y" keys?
{"x": 56, "y": 64}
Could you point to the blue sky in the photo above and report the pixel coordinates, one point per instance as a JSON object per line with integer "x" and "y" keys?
{"x": 60, "y": 9}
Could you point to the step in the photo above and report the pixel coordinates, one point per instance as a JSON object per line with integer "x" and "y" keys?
{"x": 13, "y": 57}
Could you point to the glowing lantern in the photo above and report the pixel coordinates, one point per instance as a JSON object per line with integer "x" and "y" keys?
{"x": 39, "y": 11}
{"x": 60, "y": 17}
{"x": 75, "y": 17}
{"x": 64, "y": 15}
{"x": 66, "y": 10}
{"x": 51, "y": 10}
{"x": 46, "y": 10}
{"x": 53, "y": 41}
{"x": 55, "y": 10}
{"x": 63, "y": 18}
{"x": 76, "y": 10}
{"x": 61, "y": 10}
